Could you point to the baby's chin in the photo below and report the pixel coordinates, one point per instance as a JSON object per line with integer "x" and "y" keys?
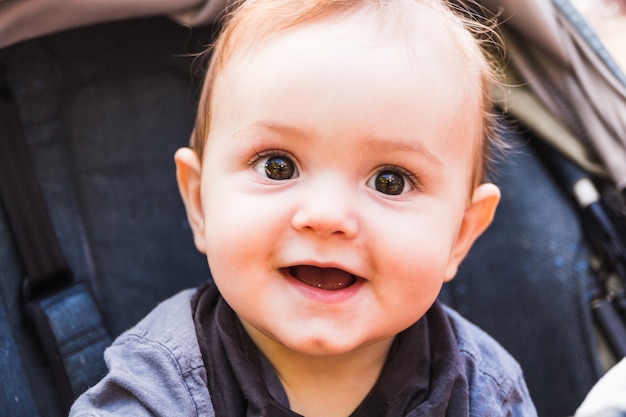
{"x": 330, "y": 346}
{"x": 319, "y": 337}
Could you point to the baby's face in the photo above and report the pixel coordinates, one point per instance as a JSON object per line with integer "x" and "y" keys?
{"x": 335, "y": 182}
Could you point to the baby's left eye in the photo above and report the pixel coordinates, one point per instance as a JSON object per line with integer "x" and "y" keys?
{"x": 276, "y": 167}
{"x": 389, "y": 182}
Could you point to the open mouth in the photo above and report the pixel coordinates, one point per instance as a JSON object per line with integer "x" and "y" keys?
{"x": 329, "y": 279}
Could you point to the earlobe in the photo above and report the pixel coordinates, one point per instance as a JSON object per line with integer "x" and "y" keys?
{"x": 478, "y": 216}
{"x": 188, "y": 176}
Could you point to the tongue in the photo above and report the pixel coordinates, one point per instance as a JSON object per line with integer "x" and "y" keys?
{"x": 330, "y": 279}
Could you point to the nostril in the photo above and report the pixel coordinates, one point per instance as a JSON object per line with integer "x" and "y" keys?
{"x": 299, "y": 221}
{"x": 351, "y": 227}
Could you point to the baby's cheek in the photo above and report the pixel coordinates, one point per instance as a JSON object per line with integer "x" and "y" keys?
{"x": 421, "y": 269}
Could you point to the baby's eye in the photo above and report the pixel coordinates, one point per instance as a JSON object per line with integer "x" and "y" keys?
{"x": 389, "y": 182}
{"x": 276, "y": 167}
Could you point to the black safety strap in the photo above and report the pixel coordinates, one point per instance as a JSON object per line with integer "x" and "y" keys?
{"x": 62, "y": 311}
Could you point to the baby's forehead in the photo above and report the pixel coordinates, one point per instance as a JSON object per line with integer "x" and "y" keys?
{"x": 431, "y": 37}
{"x": 409, "y": 21}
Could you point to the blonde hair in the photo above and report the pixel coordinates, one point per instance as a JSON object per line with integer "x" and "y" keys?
{"x": 249, "y": 22}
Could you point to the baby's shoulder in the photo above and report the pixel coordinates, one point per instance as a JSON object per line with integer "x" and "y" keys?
{"x": 479, "y": 349}
{"x": 155, "y": 368}
{"x": 169, "y": 323}
{"x": 163, "y": 345}
{"x": 494, "y": 377}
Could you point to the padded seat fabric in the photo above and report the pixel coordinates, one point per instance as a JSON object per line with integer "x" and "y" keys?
{"x": 104, "y": 108}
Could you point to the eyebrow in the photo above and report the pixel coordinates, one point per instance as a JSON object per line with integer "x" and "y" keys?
{"x": 380, "y": 143}
{"x": 401, "y": 145}
{"x": 282, "y": 129}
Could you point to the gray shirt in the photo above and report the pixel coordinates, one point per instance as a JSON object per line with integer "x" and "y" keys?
{"x": 156, "y": 369}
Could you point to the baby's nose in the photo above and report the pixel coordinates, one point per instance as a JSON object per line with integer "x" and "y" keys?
{"x": 327, "y": 207}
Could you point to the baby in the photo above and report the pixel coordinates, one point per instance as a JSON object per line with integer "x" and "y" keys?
{"x": 335, "y": 183}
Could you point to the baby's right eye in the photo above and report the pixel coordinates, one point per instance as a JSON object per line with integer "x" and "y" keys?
{"x": 276, "y": 167}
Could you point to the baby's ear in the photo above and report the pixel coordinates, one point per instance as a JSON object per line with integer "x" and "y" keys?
{"x": 188, "y": 175}
{"x": 478, "y": 216}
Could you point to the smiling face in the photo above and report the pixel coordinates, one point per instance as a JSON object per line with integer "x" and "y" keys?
{"x": 334, "y": 196}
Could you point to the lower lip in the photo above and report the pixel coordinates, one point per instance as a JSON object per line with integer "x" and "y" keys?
{"x": 324, "y": 296}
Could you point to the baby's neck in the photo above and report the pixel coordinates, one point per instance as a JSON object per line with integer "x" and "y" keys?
{"x": 328, "y": 386}
{"x": 334, "y": 386}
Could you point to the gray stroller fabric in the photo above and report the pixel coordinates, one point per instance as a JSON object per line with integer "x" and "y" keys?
{"x": 557, "y": 56}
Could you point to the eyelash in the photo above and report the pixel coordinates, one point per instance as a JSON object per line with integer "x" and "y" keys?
{"x": 269, "y": 152}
